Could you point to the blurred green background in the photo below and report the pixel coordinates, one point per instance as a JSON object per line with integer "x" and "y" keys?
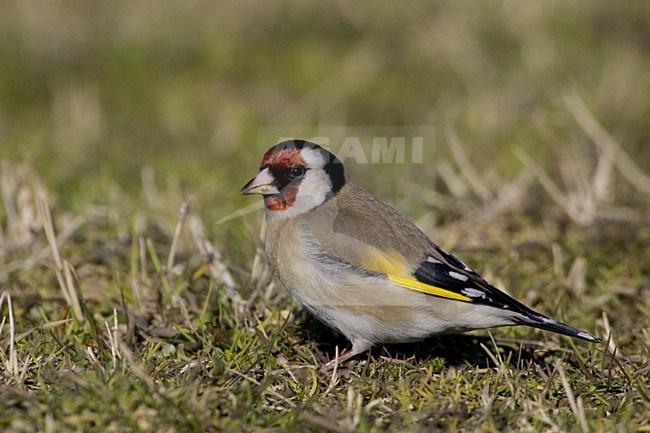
{"x": 92, "y": 92}
{"x": 120, "y": 110}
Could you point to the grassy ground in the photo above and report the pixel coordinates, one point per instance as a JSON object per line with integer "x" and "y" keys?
{"x": 120, "y": 313}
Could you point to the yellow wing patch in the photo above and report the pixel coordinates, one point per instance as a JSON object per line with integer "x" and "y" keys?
{"x": 398, "y": 270}
{"x": 413, "y": 284}
{"x": 389, "y": 262}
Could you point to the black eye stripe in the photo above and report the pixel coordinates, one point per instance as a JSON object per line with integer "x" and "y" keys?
{"x": 284, "y": 176}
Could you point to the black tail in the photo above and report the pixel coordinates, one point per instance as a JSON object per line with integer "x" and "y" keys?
{"x": 538, "y": 321}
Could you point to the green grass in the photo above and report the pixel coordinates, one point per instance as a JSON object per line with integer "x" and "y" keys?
{"x": 535, "y": 173}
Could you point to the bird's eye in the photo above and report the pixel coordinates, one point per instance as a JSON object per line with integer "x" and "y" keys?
{"x": 297, "y": 171}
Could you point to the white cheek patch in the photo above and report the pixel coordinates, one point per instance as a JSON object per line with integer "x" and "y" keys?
{"x": 314, "y": 159}
{"x": 313, "y": 190}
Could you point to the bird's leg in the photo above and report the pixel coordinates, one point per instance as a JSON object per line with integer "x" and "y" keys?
{"x": 358, "y": 346}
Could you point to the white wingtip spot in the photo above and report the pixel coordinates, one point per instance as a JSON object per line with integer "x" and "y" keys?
{"x": 586, "y": 335}
{"x": 458, "y": 276}
{"x": 434, "y": 261}
{"x": 473, "y": 293}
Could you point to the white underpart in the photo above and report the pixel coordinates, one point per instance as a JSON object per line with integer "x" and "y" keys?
{"x": 485, "y": 316}
{"x": 341, "y": 297}
{"x": 314, "y": 187}
{"x": 457, "y": 276}
{"x": 417, "y": 323}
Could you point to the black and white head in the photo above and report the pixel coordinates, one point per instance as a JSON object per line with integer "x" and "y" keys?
{"x": 295, "y": 177}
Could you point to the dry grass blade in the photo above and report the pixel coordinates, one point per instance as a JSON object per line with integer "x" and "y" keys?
{"x": 218, "y": 268}
{"x": 63, "y": 269}
{"x": 575, "y": 404}
{"x": 609, "y": 336}
{"x": 182, "y": 215}
{"x": 73, "y": 291}
{"x": 582, "y": 201}
{"x": 576, "y": 278}
{"x": 466, "y": 167}
{"x": 19, "y": 186}
{"x": 48, "y": 226}
{"x": 266, "y": 390}
{"x": 7, "y": 188}
{"x": 607, "y": 144}
{"x": 457, "y": 187}
{"x": 260, "y": 273}
{"x": 95, "y": 363}
{"x": 12, "y": 364}
{"x": 151, "y": 193}
{"x": 56, "y": 323}
{"x": 133, "y": 364}
{"x": 589, "y": 189}
{"x": 547, "y": 183}
{"x": 113, "y": 344}
{"x": 253, "y": 207}
{"x": 142, "y": 255}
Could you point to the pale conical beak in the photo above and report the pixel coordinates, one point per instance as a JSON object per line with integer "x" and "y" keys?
{"x": 263, "y": 183}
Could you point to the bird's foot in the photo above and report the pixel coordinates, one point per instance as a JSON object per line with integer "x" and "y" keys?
{"x": 357, "y": 348}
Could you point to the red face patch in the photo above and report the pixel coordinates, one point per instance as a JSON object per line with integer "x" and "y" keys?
{"x": 282, "y": 201}
{"x": 282, "y": 159}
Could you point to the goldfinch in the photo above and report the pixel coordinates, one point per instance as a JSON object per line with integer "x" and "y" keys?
{"x": 362, "y": 267}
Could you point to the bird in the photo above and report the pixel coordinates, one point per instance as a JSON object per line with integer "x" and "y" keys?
{"x": 362, "y": 267}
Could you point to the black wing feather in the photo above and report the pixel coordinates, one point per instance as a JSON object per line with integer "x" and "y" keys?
{"x": 457, "y": 277}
